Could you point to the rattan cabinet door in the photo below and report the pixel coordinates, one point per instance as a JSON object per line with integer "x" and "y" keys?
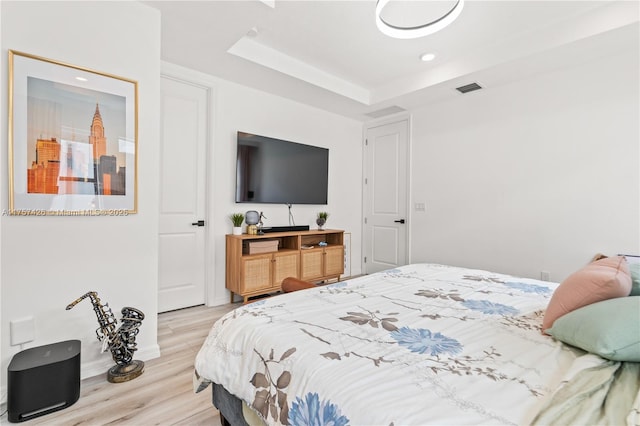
{"x": 311, "y": 264}
{"x": 256, "y": 273}
{"x": 334, "y": 260}
{"x": 285, "y": 265}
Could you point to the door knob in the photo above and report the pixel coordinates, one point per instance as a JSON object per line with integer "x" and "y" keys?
{"x": 399, "y": 221}
{"x": 198, "y": 223}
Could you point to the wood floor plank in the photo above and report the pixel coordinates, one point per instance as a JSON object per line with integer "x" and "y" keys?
{"x": 163, "y": 394}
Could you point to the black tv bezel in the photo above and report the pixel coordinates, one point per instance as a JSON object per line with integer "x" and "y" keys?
{"x": 288, "y": 202}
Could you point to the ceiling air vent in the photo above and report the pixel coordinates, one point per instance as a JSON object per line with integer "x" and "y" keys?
{"x": 468, "y": 88}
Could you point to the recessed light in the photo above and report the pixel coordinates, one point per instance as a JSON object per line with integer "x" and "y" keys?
{"x": 81, "y": 79}
{"x": 428, "y": 57}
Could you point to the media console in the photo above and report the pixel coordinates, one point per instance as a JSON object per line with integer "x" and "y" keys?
{"x": 314, "y": 256}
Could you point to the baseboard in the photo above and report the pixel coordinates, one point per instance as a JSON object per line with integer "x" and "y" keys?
{"x": 220, "y": 301}
{"x": 148, "y": 353}
{"x": 100, "y": 366}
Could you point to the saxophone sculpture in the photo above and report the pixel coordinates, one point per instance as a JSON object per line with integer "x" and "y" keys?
{"x": 120, "y": 340}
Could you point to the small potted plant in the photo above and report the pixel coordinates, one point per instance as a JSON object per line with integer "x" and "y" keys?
{"x": 321, "y": 220}
{"x": 237, "y": 219}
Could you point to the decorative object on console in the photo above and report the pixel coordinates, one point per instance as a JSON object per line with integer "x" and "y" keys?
{"x": 321, "y": 220}
{"x": 260, "y": 246}
{"x": 121, "y": 341}
{"x": 260, "y": 224}
{"x": 252, "y": 218}
{"x": 236, "y": 219}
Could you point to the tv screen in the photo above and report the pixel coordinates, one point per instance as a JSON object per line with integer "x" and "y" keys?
{"x": 274, "y": 171}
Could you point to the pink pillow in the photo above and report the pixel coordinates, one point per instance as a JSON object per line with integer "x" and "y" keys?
{"x": 600, "y": 280}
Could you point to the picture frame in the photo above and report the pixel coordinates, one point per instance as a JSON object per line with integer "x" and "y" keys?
{"x": 73, "y": 139}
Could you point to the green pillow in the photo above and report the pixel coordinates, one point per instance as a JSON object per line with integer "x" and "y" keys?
{"x": 610, "y": 328}
{"x": 634, "y": 269}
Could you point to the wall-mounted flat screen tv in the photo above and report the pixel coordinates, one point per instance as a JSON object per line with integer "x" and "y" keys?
{"x": 274, "y": 171}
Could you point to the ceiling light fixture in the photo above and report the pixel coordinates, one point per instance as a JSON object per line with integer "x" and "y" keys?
{"x": 407, "y": 32}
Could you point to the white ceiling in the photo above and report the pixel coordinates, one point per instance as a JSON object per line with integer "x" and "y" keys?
{"x": 331, "y": 55}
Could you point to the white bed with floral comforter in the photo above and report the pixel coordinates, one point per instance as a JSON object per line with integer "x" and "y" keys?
{"x": 421, "y": 344}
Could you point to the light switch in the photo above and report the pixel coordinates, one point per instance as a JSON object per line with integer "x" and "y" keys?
{"x": 420, "y": 207}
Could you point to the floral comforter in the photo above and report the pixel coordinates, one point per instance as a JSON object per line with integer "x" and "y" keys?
{"x": 421, "y": 344}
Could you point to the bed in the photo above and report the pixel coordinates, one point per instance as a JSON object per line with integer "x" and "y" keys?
{"x": 420, "y": 344}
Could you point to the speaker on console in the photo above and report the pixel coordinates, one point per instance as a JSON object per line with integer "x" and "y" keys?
{"x": 286, "y": 228}
{"x": 42, "y": 380}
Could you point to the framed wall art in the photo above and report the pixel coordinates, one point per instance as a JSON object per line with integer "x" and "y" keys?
{"x": 72, "y": 139}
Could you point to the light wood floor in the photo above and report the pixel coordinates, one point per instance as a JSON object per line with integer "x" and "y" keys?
{"x": 163, "y": 394}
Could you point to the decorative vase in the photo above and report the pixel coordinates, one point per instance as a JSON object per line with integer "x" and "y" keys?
{"x": 252, "y": 217}
{"x": 320, "y": 222}
{"x": 237, "y": 230}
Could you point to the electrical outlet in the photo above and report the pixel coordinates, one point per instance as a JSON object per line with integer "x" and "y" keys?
{"x": 545, "y": 276}
{"x": 22, "y": 330}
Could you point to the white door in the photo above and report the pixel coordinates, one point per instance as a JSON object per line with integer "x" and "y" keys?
{"x": 183, "y": 120}
{"x": 385, "y": 196}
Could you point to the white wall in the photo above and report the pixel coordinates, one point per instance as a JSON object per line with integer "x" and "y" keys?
{"x": 245, "y": 109}
{"x": 536, "y": 175}
{"x": 239, "y": 108}
{"x": 47, "y": 262}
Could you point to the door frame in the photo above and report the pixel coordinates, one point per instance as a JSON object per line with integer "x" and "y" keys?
{"x": 188, "y": 76}
{"x": 396, "y": 118}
